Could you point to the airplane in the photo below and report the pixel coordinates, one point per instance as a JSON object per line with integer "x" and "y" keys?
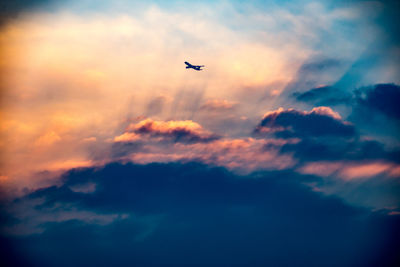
{"x": 195, "y": 67}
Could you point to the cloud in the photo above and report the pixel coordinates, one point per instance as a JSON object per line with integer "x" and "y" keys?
{"x": 381, "y": 97}
{"x": 84, "y": 188}
{"x": 156, "y": 105}
{"x": 372, "y": 109}
{"x": 311, "y": 149}
{"x": 175, "y": 131}
{"x": 12, "y": 9}
{"x": 351, "y": 170}
{"x": 325, "y": 96}
{"x": 47, "y": 139}
{"x": 206, "y": 215}
{"x": 320, "y": 121}
{"x": 242, "y": 154}
{"x": 319, "y": 65}
{"x": 218, "y": 105}
{"x": 250, "y": 56}
{"x": 374, "y": 98}
{"x": 313, "y": 72}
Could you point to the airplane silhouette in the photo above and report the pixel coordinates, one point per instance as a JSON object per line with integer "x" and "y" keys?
{"x": 195, "y": 67}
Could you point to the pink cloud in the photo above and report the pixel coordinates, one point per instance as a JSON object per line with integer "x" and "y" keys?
{"x": 246, "y": 154}
{"x": 365, "y": 170}
{"x": 320, "y": 168}
{"x": 351, "y": 170}
{"x": 327, "y": 111}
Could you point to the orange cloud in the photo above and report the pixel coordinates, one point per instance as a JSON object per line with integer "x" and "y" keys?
{"x": 127, "y": 137}
{"x": 69, "y": 82}
{"x": 47, "y": 139}
{"x": 218, "y": 105}
{"x": 177, "y": 131}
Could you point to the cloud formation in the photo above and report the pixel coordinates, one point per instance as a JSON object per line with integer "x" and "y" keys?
{"x": 320, "y": 121}
{"x": 197, "y": 209}
{"x": 311, "y": 149}
{"x": 320, "y": 170}
{"x": 324, "y": 95}
{"x": 351, "y": 170}
{"x": 372, "y": 109}
{"x": 254, "y": 50}
{"x": 175, "y": 131}
{"x": 218, "y": 105}
{"x": 382, "y": 98}
{"x": 240, "y": 154}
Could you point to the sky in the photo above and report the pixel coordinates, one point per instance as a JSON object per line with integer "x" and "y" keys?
{"x": 283, "y": 150}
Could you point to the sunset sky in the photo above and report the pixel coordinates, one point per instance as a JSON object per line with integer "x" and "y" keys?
{"x": 283, "y": 150}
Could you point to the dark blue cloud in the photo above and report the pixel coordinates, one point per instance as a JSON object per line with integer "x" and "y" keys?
{"x": 389, "y": 20}
{"x": 193, "y": 213}
{"x": 374, "y": 109}
{"x": 294, "y": 123}
{"x": 380, "y": 97}
{"x": 322, "y": 149}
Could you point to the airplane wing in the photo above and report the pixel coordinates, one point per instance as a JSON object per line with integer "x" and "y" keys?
{"x": 188, "y": 64}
